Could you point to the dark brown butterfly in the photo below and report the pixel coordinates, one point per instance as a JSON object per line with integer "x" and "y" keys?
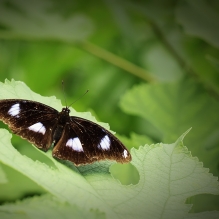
{"x": 75, "y": 139}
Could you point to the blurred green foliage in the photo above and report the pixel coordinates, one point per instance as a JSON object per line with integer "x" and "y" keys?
{"x": 161, "y": 58}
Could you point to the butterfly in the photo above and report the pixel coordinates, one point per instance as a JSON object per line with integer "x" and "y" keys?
{"x": 73, "y": 138}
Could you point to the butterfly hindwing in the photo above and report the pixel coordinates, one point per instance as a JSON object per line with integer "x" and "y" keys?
{"x": 29, "y": 119}
{"x": 88, "y": 142}
{"x": 69, "y": 147}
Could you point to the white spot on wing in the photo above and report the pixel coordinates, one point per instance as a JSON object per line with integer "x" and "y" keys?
{"x": 75, "y": 144}
{"x": 104, "y": 143}
{"x": 15, "y": 110}
{"x": 125, "y": 154}
{"x": 38, "y": 127}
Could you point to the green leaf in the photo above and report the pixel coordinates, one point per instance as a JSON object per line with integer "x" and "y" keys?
{"x": 3, "y": 177}
{"x": 46, "y": 206}
{"x": 175, "y": 107}
{"x": 7, "y": 215}
{"x": 168, "y": 176}
{"x": 17, "y": 185}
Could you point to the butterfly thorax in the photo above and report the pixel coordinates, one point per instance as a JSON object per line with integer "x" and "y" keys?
{"x": 62, "y": 119}
{"x": 63, "y": 116}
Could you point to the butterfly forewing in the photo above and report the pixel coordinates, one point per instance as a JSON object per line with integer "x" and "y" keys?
{"x": 29, "y": 119}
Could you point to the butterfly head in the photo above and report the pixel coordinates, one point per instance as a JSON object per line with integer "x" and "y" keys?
{"x": 65, "y": 111}
{"x": 63, "y": 116}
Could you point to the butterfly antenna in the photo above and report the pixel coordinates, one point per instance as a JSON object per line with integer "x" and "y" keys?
{"x": 78, "y": 98}
{"x": 63, "y": 90}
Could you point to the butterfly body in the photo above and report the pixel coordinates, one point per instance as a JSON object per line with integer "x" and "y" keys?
{"x": 73, "y": 138}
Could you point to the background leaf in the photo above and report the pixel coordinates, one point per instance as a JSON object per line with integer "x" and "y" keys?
{"x": 174, "y": 107}
{"x": 206, "y": 19}
{"x": 19, "y": 17}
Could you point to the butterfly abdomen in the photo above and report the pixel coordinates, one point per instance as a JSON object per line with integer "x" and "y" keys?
{"x": 62, "y": 120}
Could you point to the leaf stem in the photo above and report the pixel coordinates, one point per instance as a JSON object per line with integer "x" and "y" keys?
{"x": 117, "y": 61}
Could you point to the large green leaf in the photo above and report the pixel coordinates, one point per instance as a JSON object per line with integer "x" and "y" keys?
{"x": 175, "y": 107}
{"x": 168, "y": 176}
